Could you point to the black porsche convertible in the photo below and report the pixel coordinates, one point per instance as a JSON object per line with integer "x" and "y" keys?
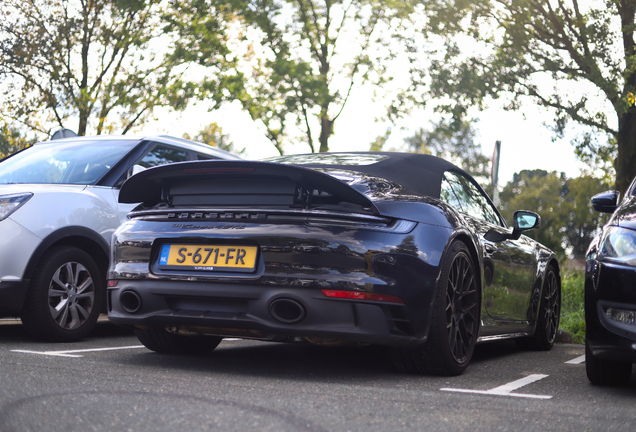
{"x": 396, "y": 249}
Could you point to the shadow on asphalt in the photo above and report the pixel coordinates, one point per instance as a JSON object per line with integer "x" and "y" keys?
{"x": 302, "y": 361}
{"x": 13, "y": 331}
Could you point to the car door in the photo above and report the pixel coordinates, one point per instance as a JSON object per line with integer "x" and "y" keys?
{"x": 159, "y": 154}
{"x": 508, "y": 264}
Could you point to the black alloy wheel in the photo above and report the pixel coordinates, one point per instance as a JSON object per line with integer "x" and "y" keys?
{"x": 549, "y": 314}
{"x": 461, "y": 308}
{"x": 455, "y": 322}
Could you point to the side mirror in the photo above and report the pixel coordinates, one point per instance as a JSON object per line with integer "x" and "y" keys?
{"x": 606, "y": 202}
{"x": 131, "y": 172}
{"x": 526, "y": 220}
{"x": 135, "y": 170}
{"x": 523, "y": 221}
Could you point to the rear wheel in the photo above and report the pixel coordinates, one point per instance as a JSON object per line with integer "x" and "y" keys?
{"x": 64, "y": 297}
{"x": 606, "y": 372}
{"x": 163, "y": 342}
{"x": 455, "y": 322}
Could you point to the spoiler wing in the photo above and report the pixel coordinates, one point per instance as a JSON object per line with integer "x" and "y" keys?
{"x": 242, "y": 183}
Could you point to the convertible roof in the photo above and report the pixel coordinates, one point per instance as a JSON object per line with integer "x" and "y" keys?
{"x": 420, "y": 174}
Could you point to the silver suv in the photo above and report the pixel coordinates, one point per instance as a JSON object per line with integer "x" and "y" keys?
{"x": 58, "y": 211}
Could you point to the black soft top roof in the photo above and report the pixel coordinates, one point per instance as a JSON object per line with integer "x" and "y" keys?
{"x": 418, "y": 174}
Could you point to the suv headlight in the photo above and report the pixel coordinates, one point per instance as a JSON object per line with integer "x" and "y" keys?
{"x": 10, "y": 203}
{"x": 619, "y": 245}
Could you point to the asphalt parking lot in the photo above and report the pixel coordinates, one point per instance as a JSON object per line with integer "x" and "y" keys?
{"x": 111, "y": 382}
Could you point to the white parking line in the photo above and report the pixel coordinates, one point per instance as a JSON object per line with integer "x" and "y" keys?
{"x": 506, "y": 389}
{"x": 577, "y": 360}
{"x": 70, "y": 353}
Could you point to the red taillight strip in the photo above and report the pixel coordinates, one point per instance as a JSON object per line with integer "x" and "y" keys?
{"x": 112, "y": 283}
{"x": 218, "y": 170}
{"x": 359, "y": 295}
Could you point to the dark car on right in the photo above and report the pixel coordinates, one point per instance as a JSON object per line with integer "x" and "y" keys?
{"x": 610, "y": 292}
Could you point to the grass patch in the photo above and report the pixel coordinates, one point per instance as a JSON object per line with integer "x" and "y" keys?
{"x": 572, "y": 311}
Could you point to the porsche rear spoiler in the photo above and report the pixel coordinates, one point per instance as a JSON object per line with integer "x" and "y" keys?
{"x": 228, "y": 183}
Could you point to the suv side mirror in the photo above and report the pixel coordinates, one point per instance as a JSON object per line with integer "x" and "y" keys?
{"x": 523, "y": 221}
{"x": 606, "y": 202}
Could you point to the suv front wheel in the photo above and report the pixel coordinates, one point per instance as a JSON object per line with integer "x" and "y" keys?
{"x": 64, "y": 297}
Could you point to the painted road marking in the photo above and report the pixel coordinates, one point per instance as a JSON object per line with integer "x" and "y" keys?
{"x": 71, "y": 353}
{"x": 577, "y": 360}
{"x": 506, "y": 390}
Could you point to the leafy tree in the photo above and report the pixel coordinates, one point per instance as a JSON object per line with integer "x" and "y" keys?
{"x": 582, "y": 221}
{"x": 379, "y": 142}
{"x": 103, "y": 63}
{"x": 213, "y": 135}
{"x": 453, "y": 140}
{"x": 568, "y": 221}
{"x": 11, "y": 140}
{"x": 575, "y": 58}
{"x": 304, "y": 58}
{"x": 542, "y": 192}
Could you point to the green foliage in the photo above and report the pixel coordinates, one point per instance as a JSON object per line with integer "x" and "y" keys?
{"x": 11, "y": 140}
{"x": 568, "y": 221}
{"x": 453, "y": 140}
{"x": 304, "y": 58}
{"x": 213, "y": 135}
{"x": 380, "y": 141}
{"x": 563, "y": 56}
{"x": 572, "y": 307}
{"x": 105, "y": 64}
{"x": 582, "y": 222}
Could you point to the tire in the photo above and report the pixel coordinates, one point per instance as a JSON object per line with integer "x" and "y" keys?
{"x": 454, "y": 325}
{"x": 65, "y": 295}
{"x": 161, "y": 341}
{"x": 548, "y": 316}
{"x": 606, "y": 372}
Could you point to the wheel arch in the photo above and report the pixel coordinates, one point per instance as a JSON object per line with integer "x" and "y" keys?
{"x": 554, "y": 262}
{"x": 80, "y": 237}
{"x": 474, "y": 255}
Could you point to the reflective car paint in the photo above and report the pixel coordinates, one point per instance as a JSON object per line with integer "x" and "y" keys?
{"x": 611, "y": 284}
{"x": 394, "y": 248}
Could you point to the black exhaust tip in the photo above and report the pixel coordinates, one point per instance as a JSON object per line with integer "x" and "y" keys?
{"x": 287, "y": 311}
{"x": 130, "y": 301}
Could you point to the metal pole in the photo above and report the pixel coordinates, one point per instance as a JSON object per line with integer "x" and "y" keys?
{"x": 494, "y": 173}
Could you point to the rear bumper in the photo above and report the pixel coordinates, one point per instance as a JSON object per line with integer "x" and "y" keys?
{"x": 246, "y": 310}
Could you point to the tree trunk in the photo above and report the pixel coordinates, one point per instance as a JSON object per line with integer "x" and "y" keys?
{"x": 83, "y": 123}
{"x": 326, "y": 129}
{"x": 625, "y": 163}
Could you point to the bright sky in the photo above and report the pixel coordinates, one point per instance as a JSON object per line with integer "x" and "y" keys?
{"x": 526, "y": 143}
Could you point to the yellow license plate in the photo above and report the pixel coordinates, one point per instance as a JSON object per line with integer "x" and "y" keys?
{"x": 208, "y": 257}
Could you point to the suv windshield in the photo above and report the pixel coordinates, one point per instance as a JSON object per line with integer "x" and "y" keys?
{"x": 76, "y": 162}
